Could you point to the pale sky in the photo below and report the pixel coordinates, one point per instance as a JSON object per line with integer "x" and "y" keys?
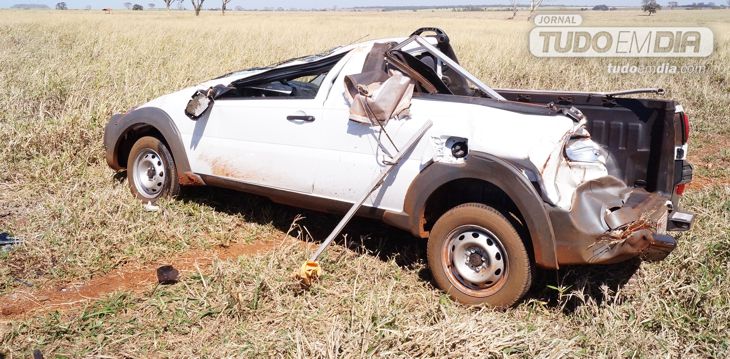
{"x": 318, "y": 4}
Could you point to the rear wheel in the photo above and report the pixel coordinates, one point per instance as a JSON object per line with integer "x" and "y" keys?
{"x": 476, "y": 256}
{"x": 151, "y": 170}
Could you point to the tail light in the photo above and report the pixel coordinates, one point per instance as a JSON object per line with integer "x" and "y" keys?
{"x": 684, "y": 171}
{"x": 679, "y": 190}
{"x": 685, "y": 127}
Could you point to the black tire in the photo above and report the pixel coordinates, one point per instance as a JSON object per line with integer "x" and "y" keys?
{"x": 151, "y": 153}
{"x": 476, "y": 240}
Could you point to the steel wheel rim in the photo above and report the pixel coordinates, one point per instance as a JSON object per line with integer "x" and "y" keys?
{"x": 149, "y": 173}
{"x": 475, "y": 260}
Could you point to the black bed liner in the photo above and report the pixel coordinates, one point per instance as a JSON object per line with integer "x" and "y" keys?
{"x": 639, "y": 134}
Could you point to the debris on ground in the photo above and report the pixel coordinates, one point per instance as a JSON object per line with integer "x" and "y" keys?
{"x": 26, "y": 283}
{"x": 167, "y": 275}
{"x": 7, "y": 242}
{"x": 149, "y": 207}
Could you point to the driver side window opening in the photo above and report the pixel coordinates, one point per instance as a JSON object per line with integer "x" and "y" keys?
{"x": 301, "y": 86}
{"x": 301, "y": 81}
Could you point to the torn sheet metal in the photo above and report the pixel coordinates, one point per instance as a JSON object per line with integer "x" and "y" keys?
{"x": 610, "y": 222}
{"x": 572, "y": 161}
{"x": 378, "y": 94}
{"x": 380, "y": 101}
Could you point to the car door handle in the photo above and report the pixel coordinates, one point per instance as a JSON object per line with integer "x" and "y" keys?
{"x": 302, "y": 118}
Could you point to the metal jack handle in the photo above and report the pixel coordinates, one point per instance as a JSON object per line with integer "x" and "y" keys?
{"x": 374, "y": 185}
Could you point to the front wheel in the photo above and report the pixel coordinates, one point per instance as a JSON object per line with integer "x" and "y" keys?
{"x": 151, "y": 170}
{"x": 477, "y": 257}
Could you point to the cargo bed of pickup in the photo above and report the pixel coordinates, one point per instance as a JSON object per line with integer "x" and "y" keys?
{"x": 646, "y": 142}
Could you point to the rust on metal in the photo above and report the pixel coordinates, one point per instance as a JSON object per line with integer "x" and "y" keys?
{"x": 637, "y": 235}
{"x": 422, "y": 225}
{"x": 220, "y": 168}
{"x": 190, "y": 179}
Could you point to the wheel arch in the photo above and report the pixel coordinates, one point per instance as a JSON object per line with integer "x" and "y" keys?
{"x": 124, "y": 130}
{"x": 485, "y": 179}
{"x": 131, "y": 135}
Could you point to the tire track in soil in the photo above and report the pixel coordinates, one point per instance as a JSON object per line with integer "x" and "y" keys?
{"x": 132, "y": 278}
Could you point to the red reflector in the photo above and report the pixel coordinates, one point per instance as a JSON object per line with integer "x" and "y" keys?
{"x": 685, "y": 119}
{"x": 680, "y": 189}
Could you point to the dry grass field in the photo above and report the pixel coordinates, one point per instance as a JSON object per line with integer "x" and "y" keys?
{"x": 63, "y": 74}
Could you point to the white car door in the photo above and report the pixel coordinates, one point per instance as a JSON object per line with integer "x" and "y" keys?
{"x": 269, "y": 141}
{"x": 259, "y": 142}
{"x": 353, "y": 151}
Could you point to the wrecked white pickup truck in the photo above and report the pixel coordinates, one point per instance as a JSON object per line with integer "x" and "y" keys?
{"x": 503, "y": 180}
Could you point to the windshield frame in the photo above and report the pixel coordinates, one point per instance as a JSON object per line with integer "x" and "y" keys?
{"x": 451, "y": 63}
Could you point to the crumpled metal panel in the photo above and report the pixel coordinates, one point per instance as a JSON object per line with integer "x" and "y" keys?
{"x": 610, "y": 222}
{"x": 378, "y": 94}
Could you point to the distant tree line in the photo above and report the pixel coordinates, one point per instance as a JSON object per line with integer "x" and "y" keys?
{"x": 29, "y": 6}
{"x": 197, "y": 5}
{"x": 602, "y": 7}
{"x": 135, "y": 7}
{"x": 705, "y": 5}
{"x": 650, "y": 6}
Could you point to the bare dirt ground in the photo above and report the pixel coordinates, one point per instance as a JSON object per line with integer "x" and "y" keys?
{"x": 133, "y": 278}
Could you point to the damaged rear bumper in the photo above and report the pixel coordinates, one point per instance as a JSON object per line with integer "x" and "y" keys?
{"x": 610, "y": 223}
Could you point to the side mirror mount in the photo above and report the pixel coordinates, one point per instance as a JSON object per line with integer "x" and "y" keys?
{"x": 198, "y": 104}
{"x": 203, "y": 99}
